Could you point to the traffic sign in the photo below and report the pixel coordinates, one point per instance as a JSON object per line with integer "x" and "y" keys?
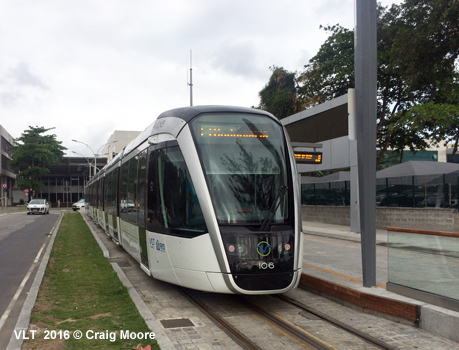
{"x": 5, "y": 185}
{"x": 26, "y": 191}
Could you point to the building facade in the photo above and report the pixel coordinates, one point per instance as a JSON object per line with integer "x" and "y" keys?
{"x": 116, "y": 143}
{"x": 65, "y": 182}
{"x": 7, "y": 177}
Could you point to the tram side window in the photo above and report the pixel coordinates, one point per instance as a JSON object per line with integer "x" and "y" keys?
{"x": 154, "y": 208}
{"x": 124, "y": 179}
{"x": 107, "y": 193}
{"x": 110, "y": 192}
{"x": 128, "y": 209}
{"x": 131, "y": 204}
{"x": 100, "y": 194}
{"x": 142, "y": 187}
{"x": 96, "y": 193}
{"x": 181, "y": 213}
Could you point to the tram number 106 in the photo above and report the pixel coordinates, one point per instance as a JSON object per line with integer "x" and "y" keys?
{"x": 265, "y": 265}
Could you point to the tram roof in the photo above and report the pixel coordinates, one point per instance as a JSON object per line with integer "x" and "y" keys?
{"x": 188, "y": 113}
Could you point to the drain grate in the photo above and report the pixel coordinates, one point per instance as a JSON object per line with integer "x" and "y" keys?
{"x": 177, "y": 323}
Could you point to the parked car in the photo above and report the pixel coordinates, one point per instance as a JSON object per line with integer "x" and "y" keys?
{"x": 38, "y": 206}
{"x": 78, "y": 205}
{"x": 127, "y": 206}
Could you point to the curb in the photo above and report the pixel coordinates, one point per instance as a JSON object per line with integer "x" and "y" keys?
{"x": 399, "y": 309}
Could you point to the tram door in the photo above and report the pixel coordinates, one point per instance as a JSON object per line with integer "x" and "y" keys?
{"x": 142, "y": 205}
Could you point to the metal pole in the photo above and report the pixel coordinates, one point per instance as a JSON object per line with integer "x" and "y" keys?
{"x": 354, "y": 180}
{"x": 191, "y": 80}
{"x": 365, "y": 91}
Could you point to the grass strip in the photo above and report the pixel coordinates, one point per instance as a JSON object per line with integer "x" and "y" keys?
{"x": 81, "y": 292}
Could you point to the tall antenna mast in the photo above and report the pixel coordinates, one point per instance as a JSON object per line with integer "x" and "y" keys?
{"x": 191, "y": 80}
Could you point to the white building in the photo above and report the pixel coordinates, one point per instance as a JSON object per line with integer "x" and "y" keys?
{"x": 7, "y": 177}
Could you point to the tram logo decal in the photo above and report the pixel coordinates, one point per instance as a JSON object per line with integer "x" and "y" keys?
{"x": 263, "y": 248}
{"x": 157, "y": 245}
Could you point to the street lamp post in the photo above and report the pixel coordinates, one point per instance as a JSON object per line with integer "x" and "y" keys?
{"x": 95, "y": 154}
{"x": 89, "y": 163}
{"x": 94, "y": 172}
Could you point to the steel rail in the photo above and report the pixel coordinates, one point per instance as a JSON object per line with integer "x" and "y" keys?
{"x": 368, "y": 338}
{"x": 232, "y": 332}
{"x": 290, "y": 328}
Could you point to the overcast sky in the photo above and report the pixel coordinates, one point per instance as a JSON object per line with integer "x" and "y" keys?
{"x": 89, "y": 67}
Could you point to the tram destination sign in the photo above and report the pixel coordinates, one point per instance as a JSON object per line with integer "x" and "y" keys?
{"x": 308, "y": 157}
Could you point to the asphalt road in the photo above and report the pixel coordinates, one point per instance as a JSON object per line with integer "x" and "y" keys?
{"x": 23, "y": 241}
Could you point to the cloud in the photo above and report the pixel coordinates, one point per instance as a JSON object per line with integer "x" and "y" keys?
{"x": 237, "y": 59}
{"x": 20, "y": 87}
{"x": 10, "y": 98}
{"x": 91, "y": 67}
{"x": 21, "y": 75}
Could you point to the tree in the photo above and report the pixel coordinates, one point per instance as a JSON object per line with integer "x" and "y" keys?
{"x": 418, "y": 50}
{"x": 435, "y": 122}
{"x": 330, "y": 73}
{"x": 32, "y": 154}
{"x": 279, "y": 96}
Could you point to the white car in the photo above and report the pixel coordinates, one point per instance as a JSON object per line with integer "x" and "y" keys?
{"x": 127, "y": 206}
{"x": 38, "y": 206}
{"x": 78, "y": 205}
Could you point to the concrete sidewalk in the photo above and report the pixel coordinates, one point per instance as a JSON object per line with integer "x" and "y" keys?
{"x": 342, "y": 280}
{"x": 339, "y": 232}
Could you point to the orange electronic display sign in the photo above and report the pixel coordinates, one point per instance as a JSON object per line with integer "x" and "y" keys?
{"x": 231, "y": 131}
{"x": 308, "y": 157}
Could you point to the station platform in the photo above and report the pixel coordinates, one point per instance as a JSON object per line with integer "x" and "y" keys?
{"x": 339, "y": 277}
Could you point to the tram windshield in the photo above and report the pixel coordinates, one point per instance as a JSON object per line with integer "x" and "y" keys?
{"x": 243, "y": 157}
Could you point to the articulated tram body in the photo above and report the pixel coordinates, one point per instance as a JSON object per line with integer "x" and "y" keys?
{"x": 206, "y": 198}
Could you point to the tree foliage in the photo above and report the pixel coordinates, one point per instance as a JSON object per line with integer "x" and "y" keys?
{"x": 418, "y": 50}
{"x": 279, "y": 96}
{"x": 436, "y": 122}
{"x": 33, "y": 153}
{"x": 330, "y": 73}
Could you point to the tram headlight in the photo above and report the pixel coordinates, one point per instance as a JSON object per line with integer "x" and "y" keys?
{"x": 238, "y": 249}
{"x": 242, "y": 249}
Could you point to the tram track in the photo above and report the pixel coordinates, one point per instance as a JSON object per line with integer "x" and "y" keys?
{"x": 365, "y": 336}
{"x": 277, "y": 329}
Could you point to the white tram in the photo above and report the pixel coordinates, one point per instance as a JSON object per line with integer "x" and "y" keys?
{"x": 206, "y": 198}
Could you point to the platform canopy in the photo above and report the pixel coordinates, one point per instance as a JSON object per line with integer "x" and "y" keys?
{"x": 326, "y": 121}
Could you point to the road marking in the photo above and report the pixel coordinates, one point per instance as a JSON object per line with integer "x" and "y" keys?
{"x": 51, "y": 232}
{"x": 13, "y": 301}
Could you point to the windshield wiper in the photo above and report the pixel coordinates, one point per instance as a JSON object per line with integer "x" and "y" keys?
{"x": 272, "y": 211}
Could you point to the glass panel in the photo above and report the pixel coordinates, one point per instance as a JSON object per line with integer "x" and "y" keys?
{"x": 142, "y": 187}
{"x": 243, "y": 157}
{"x": 154, "y": 208}
{"x": 124, "y": 191}
{"x": 180, "y": 212}
{"x": 131, "y": 201}
{"x": 110, "y": 191}
{"x": 428, "y": 263}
